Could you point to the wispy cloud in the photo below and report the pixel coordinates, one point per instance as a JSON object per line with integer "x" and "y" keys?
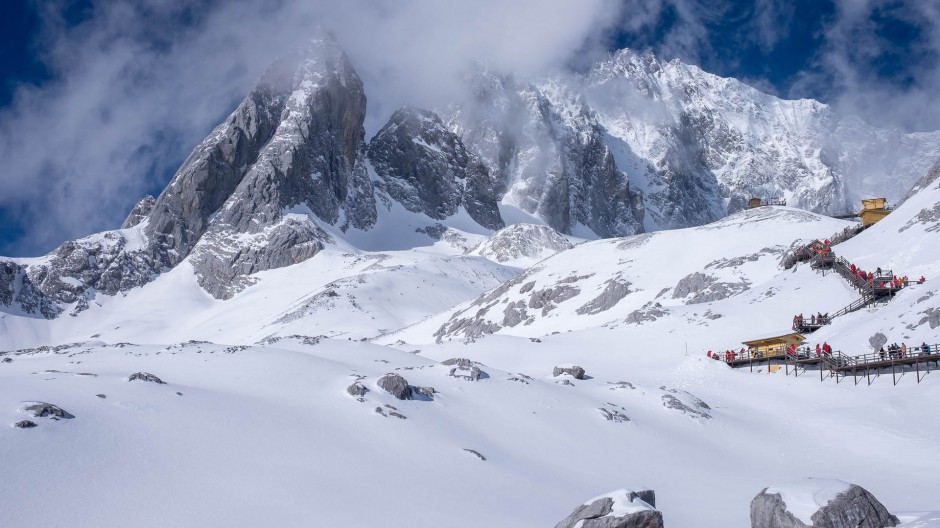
{"x": 880, "y": 60}
{"x": 140, "y": 82}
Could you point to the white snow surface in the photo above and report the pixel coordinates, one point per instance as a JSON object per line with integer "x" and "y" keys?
{"x": 264, "y": 432}
{"x": 622, "y": 504}
{"x": 805, "y": 497}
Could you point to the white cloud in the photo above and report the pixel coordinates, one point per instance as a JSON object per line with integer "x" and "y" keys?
{"x": 867, "y": 71}
{"x": 142, "y": 81}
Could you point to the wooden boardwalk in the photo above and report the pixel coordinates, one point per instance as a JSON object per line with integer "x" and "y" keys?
{"x": 839, "y": 366}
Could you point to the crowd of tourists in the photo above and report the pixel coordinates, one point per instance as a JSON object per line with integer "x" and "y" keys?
{"x": 895, "y": 351}
{"x": 801, "y": 323}
{"x": 878, "y": 279}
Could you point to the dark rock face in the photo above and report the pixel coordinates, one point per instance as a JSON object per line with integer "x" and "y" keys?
{"x": 396, "y": 385}
{"x": 24, "y": 424}
{"x": 426, "y": 168}
{"x": 853, "y": 508}
{"x": 576, "y": 372}
{"x": 548, "y": 155}
{"x": 310, "y": 162}
{"x": 46, "y": 410}
{"x": 140, "y": 211}
{"x": 18, "y": 291}
{"x": 146, "y": 376}
{"x": 856, "y": 508}
{"x": 600, "y": 513}
{"x": 295, "y": 143}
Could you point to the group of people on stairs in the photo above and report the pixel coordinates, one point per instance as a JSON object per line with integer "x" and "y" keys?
{"x": 800, "y": 324}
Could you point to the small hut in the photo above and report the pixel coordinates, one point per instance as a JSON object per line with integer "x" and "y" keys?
{"x": 873, "y": 210}
{"x": 754, "y": 202}
{"x": 775, "y": 345}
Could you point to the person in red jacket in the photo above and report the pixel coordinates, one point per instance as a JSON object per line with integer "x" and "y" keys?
{"x": 817, "y": 350}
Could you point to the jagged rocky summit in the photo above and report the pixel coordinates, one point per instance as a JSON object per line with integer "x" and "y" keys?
{"x": 634, "y": 145}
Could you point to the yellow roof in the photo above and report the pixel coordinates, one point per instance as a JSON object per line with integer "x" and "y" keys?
{"x": 772, "y": 340}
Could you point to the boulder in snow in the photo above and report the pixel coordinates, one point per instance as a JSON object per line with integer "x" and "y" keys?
{"x": 46, "y": 410}
{"x": 146, "y": 376}
{"x": 821, "y": 503}
{"x": 24, "y": 424}
{"x": 395, "y": 385}
{"x": 357, "y": 389}
{"x": 574, "y": 371}
{"x": 618, "y": 509}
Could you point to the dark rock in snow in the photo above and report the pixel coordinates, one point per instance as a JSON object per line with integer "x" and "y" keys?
{"x": 102, "y": 396}
{"x": 146, "y": 376}
{"x": 475, "y": 453}
{"x": 357, "y": 389}
{"x": 613, "y": 415}
{"x": 464, "y": 368}
{"x": 854, "y": 507}
{"x": 619, "y": 509}
{"x": 7, "y": 360}
{"x": 696, "y": 409}
{"x": 575, "y": 371}
{"x": 614, "y": 291}
{"x": 46, "y": 410}
{"x": 396, "y": 385}
{"x": 24, "y": 424}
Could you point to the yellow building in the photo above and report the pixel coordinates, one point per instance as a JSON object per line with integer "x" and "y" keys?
{"x": 754, "y": 202}
{"x": 773, "y": 345}
{"x": 873, "y": 210}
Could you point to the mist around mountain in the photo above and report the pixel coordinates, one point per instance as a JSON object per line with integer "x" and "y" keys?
{"x": 292, "y": 271}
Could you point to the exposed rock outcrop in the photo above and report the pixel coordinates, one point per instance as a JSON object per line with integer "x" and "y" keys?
{"x": 146, "y": 376}
{"x": 618, "y": 509}
{"x": 819, "y": 503}
{"x": 396, "y": 385}
{"x": 357, "y": 389}
{"x": 464, "y": 368}
{"x": 574, "y": 371}
{"x": 46, "y": 410}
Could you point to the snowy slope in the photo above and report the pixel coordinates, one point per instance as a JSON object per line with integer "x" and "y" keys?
{"x": 706, "y": 277}
{"x": 268, "y": 436}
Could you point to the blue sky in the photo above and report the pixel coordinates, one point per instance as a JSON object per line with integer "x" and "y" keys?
{"x": 101, "y": 100}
